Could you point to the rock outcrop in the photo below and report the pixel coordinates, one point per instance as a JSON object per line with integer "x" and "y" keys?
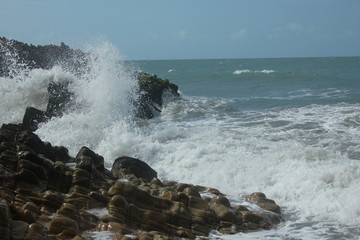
{"x": 45, "y": 57}
{"x": 47, "y": 194}
{"x": 151, "y": 89}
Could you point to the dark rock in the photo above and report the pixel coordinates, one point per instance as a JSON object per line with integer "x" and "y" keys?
{"x": 134, "y": 166}
{"x": 96, "y": 160}
{"x": 5, "y": 220}
{"x": 152, "y": 90}
{"x": 60, "y": 179}
{"x": 64, "y": 227}
{"x": 19, "y": 229}
{"x": 44, "y": 57}
{"x": 59, "y": 98}
{"x": 35, "y": 231}
{"x": 8, "y": 133}
{"x": 32, "y": 118}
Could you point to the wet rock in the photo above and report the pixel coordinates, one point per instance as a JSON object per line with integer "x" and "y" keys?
{"x": 168, "y": 194}
{"x": 265, "y": 203}
{"x": 87, "y": 221}
{"x": 254, "y": 221}
{"x": 127, "y": 165}
{"x": 82, "y": 178}
{"x": 51, "y": 200}
{"x": 35, "y": 231}
{"x": 18, "y": 230}
{"x": 98, "y": 160}
{"x": 152, "y": 91}
{"x": 201, "y": 211}
{"x": 63, "y": 227}
{"x": 118, "y": 207}
{"x": 60, "y": 178}
{"x": 97, "y": 200}
{"x": 224, "y": 213}
{"x": 221, "y": 200}
{"x": 190, "y": 191}
{"x": 32, "y": 118}
{"x": 59, "y": 98}
{"x": 180, "y": 215}
{"x": 5, "y": 220}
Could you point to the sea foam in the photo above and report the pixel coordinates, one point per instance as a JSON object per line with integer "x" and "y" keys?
{"x": 241, "y": 71}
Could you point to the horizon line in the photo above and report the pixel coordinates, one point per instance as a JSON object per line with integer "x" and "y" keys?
{"x": 234, "y": 58}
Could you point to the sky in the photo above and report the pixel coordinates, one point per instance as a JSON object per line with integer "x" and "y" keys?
{"x": 190, "y": 29}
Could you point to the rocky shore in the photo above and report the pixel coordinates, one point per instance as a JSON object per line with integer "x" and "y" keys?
{"x": 47, "y": 194}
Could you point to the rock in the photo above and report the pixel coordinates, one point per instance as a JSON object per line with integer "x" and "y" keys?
{"x": 118, "y": 207}
{"x": 221, "y": 200}
{"x": 265, "y": 203}
{"x": 152, "y": 90}
{"x": 224, "y": 213}
{"x": 255, "y": 221}
{"x": 180, "y": 215}
{"x": 44, "y": 57}
{"x": 190, "y": 191}
{"x": 35, "y": 231}
{"x": 127, "y": 165}
{"x": 5, "y": 220}
{"x": 32, "y": 118}
{"x": 18, "y": 229}
{"x": 59, "y": 98}
{"x": 64, "y": 227}
{"x": 96, "y": 160}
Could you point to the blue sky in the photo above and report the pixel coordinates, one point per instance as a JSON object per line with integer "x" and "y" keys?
{"x": 187, "y": 29}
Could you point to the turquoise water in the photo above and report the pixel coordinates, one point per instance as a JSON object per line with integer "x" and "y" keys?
{"x": 265, "y": 83}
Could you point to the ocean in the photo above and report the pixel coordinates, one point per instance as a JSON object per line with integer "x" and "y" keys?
{"x": 288, "y": 127}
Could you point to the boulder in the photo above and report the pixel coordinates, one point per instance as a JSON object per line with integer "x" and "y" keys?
{"x": 128, "y": 165}
{"x": 263, "y": 202}
{"x": 59, "y": 100}
{"x": 89, "y": 157}
{"x": 153, "y": 90}
{"x": 32, "y": 118}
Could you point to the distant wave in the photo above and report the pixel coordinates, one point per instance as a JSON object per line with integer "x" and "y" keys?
{"x": 265, "y": 71}
{"x": 237, "y": 72}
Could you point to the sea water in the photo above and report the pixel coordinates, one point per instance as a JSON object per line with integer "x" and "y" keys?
{"x": 287, "y": 127}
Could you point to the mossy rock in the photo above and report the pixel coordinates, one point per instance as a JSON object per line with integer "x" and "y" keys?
{"x": 152, "y": 89}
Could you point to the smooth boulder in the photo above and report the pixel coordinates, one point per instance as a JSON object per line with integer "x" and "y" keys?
{"x": 128, "y": 165}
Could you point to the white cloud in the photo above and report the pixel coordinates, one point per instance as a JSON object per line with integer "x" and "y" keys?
{"x": 240, "y": 34}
